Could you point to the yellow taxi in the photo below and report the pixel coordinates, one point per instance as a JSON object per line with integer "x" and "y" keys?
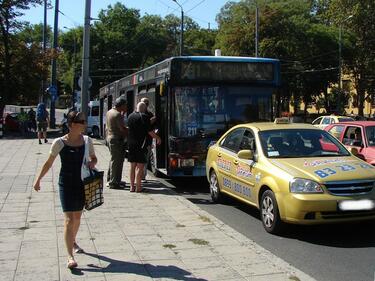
{"x": 323, "y": 121}
{"x": 293, "y": 173}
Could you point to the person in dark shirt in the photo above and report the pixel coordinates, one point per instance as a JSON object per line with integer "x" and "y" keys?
{"x": 139, "y": 129}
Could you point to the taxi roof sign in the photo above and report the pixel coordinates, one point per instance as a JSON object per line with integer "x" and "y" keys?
{"x": 282, "y": 120}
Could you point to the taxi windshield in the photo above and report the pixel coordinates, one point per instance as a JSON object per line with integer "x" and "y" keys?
{"x": 298, "y": 143}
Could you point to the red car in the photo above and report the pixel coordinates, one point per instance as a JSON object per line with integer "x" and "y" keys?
{"x": 356, "y": 134}
{"x": 10, "y": 121}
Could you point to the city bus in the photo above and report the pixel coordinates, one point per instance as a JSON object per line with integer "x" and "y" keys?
{"x": 195, "y": 100}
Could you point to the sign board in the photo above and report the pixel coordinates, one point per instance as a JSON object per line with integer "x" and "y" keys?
{"x": 89, "y": 80}
{"x": 53, "y": 92}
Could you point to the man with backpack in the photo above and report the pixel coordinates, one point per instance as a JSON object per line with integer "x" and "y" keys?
{"x": 42, "y": 122}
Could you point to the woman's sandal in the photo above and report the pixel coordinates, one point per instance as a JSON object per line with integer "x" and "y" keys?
{"x": 71, "y": 263}
{"x": 77, "y": 249}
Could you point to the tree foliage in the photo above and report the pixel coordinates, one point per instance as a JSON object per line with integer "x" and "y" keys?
{"x": 10, "y": 46}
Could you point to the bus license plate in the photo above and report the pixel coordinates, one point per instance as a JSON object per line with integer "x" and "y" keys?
{"x": 186, "y": 162}
{"x": 356, "y": 205}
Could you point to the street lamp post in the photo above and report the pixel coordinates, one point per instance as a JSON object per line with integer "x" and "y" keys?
{"x": 182, "y": 29}
{"x": 52, "y": 118}
{"x": 340, "y": 59}
{"x": 86, "y": 59}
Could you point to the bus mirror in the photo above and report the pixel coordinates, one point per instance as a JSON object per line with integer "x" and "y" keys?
{"x": 246, "y": 154}
{"x": 162, "y": 88}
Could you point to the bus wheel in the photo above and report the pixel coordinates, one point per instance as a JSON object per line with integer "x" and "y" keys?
{"x": 269, "y": 212}
{"x": 216, "y": 195}
{"x": 95, "y": 132}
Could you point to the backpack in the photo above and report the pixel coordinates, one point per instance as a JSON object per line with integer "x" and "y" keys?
{"x": 41, "y": 113}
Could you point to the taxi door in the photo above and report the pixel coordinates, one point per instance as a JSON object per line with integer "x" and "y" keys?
{"x": 227, "y": 159}
{"x": 244, "y": 176}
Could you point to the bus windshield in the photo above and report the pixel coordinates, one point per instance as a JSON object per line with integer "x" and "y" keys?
{"x": 208, "y": 111}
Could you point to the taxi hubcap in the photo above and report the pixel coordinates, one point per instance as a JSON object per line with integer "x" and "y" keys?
{"x": 213, "y": 183}
{"x": 267, "y": 211}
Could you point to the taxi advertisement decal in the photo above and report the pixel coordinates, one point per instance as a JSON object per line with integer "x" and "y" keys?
{"x": 236, "y": 187}
{"x": 323, "y": 173}
{"x": 325, "y": 162}
{"x": 224, "y": 164}
{"x": 243, "y": 171}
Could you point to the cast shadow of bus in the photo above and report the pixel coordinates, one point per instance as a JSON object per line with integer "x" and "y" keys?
{"x": 149, "y": 270}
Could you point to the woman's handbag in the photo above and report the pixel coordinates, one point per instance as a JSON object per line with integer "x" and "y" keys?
{"x": 93, "y": 189}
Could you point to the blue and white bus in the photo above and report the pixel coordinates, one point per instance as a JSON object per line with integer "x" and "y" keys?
{"x": 195, "y": 100}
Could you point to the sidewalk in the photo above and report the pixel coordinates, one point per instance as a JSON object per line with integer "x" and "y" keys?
{"x": 157, "y": 235}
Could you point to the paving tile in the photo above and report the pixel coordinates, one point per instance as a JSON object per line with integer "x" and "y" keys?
{"x": 216, "y": 273}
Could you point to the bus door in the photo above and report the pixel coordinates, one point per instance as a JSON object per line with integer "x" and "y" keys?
{"x": 130, "y": 102}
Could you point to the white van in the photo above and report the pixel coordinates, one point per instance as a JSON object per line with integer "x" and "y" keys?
{"x": 93, "y": 122}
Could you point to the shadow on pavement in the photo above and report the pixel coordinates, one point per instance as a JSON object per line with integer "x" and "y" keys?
{"x": 155, "y": 271}
{"x": 341, "y": 235}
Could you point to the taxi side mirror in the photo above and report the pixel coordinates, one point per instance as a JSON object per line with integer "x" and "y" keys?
{"x": 246, "y": 154}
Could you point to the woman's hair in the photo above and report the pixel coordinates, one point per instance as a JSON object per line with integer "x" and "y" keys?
{"x": 74, "y": 116}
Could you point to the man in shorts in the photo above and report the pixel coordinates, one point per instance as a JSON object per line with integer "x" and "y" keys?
{"x": 42, "y": 122}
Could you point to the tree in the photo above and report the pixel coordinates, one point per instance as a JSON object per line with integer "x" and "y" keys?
{"x": 290, "y": 31}
{"x": 10, "y": 11}
{"x": 362, "y": 27}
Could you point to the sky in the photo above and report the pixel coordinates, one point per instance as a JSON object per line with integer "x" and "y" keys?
{"x": 72, "y": 11}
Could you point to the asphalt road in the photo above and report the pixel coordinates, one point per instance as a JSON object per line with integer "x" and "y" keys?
{"x": 344, "y": 252}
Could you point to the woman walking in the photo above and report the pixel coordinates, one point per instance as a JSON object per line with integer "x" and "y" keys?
{"x": 71, "y": 148}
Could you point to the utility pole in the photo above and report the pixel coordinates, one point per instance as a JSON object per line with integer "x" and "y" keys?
{"x": 54, "y": 67}
{"x": 44, "y": 47}
{"x": 86, "y": 59}
{"x": 182, "y": 29}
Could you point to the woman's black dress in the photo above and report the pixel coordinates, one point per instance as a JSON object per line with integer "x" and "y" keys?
{"x": 72, "y": 193}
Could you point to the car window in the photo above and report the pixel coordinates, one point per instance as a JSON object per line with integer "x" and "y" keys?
{"x": 352, "y": 136}
{"x": 370, "y": 135}
{"x": 293, "y": 143}
{"x": 345, "y": 119}
{"x": 317, "y": 121}
{"x": 233, "y": 140}
{"x": 248, "y": 141}
{"x": 95, "y": 111}
{"x": 326, "y": 121}
{"x": 336, "y": 131}
{"x": 332, "y": 121}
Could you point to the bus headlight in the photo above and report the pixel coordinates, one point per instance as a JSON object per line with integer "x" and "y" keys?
{"x": 298, "y": 185}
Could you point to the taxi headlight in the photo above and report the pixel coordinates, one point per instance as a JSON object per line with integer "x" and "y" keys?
{"x": 305, "y": 186}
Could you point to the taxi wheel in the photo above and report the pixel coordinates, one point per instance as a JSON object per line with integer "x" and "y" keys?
{"x": 269, "y": 212}
{"x": 215, "y": 188}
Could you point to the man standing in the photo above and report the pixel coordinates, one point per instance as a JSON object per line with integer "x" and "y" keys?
{"x": 116, "y": 133}
{"x": 42, "y": 122}
{"x": 152, "y": 119}
{"x": 139, "y": 129}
